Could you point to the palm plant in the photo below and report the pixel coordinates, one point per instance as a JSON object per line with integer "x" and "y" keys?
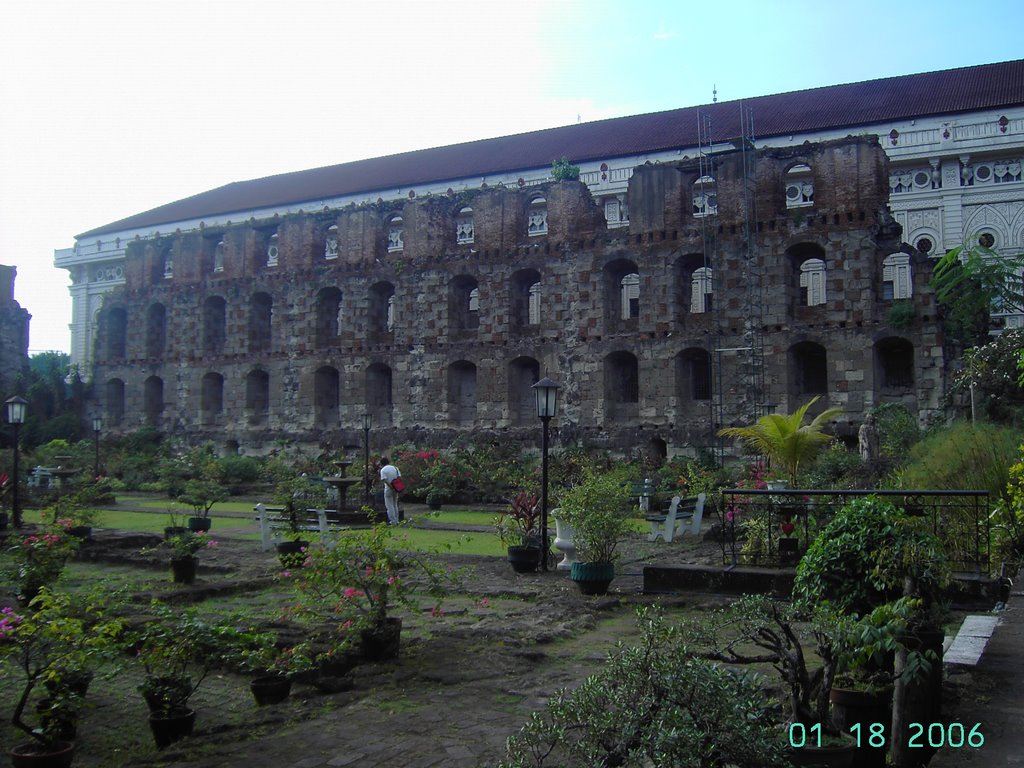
{"x": 785, "y": 439}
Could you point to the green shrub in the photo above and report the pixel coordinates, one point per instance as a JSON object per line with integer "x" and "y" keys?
{"x": 652, "y": 706}
{"x": 962, "y": 456}
{"x": 134, "y": 458}
{"x": 860, "y": 558}
{"x": 599, "y": 513}
{"x": 897, "y": 431}
{"x": 237, "y": 471}
{"x": 836, "y": 467}
{"x": 1008, "y": 518}
{"x": 563, "y": 169}
{"x": 901, "y": 314}
{"x": 837, "y": 564}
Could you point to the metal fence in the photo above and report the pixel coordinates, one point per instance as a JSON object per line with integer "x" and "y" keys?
{"x": 772, "y": 528}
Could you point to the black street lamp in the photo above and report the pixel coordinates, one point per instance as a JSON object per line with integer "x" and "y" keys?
{"x": 16, "y": 417}
{"x": 367, "y": 423}
{"x": 97, "y": 424}
{"x": 547, "y": 407}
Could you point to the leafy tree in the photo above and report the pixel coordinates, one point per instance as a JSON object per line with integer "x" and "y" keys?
{"x": 969, "y": 281}
{"x": 993, "y": 369}
{"x": 56, "y": 398}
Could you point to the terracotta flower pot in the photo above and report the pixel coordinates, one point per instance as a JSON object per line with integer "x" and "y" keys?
{"x": 32, "y": 754}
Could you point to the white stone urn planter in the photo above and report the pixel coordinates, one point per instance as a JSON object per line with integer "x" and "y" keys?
{"x": 563, "y": 543}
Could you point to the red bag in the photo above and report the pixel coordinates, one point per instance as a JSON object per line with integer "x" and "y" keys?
{"x": 397, "y": 485}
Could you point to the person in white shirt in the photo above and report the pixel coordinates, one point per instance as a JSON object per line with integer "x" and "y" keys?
{"x": 388, "y": 474}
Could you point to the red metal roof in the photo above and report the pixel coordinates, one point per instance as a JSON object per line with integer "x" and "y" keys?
{"x": 873, "y": 101}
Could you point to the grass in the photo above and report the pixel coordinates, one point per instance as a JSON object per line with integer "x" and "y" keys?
{"x": 458, "y": 517}
{"x": 420, "y": 539}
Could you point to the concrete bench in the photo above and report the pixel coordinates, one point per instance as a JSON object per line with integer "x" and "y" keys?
{"x": 275, "y": 525}
{"x": 684, "y": 515}
{"x": 644, "y": 491}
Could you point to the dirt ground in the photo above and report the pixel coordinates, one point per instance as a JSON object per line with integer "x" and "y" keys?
{"x": 464, "y": 681}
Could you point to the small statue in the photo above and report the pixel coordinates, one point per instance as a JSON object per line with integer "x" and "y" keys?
{"x": 867, "y": 440}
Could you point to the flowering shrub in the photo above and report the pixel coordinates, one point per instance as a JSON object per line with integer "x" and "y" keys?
{"x": 45, "y": 644}
{"x": 262, "y": 653}
{"x": 482, "y": 473}
{"x": 177, "y": 650}
{"x": 39, "y": 560}
{"x": 355, "y": 584}
{"x": 189, "y": 544}
{"x": 415, "y": 467}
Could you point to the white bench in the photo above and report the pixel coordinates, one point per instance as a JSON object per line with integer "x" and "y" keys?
{"x": 275, "y": 525}
{"x": 684, "y": 515}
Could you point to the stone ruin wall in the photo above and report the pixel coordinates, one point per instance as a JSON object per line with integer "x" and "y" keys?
{"x": 452, "y": 372}
{"x": 14, "y": 330}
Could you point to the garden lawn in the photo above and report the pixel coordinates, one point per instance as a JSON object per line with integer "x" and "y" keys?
{"x": 420, "y": 539}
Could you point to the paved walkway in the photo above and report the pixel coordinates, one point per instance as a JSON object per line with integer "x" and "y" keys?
{"x": 991, "y": 695}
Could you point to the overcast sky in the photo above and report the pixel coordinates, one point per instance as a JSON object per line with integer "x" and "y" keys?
{"x": 112, "y": 107}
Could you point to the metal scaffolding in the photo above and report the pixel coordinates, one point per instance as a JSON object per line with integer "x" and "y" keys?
{"x": 747, "y": 348}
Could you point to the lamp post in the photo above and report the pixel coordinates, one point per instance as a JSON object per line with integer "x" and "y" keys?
{"x": 367, "y": 423}
{"x": 16, "y": 417}
{"x": 97, "y": 424}
{"x": 547, "y": 406}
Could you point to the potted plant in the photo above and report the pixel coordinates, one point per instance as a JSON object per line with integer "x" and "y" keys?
{"x": 862, "y": 693}
{"x": 785, "y": 439}
{"x": 759, "y": 630}
{"x": 872, "y": 553}
{"x": 598, "y": 511}
{"x": 177, "y": 650}
{"x": 519, "y": 530}
{"x": 201, "y": 494}
{"x": 74, "y": 517}
{"x": 175, "y": 526}
{"x": 296, "y": 494}
{"x": 272, "y": 663}
{"x": 44, "y": 644}
{"x": 37, "y": 560}
{"x": 351, "y": 588}
{"x": 184, "y": 548}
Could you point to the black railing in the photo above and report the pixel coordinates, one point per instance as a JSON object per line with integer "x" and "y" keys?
{"x": 772, "y": 528}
